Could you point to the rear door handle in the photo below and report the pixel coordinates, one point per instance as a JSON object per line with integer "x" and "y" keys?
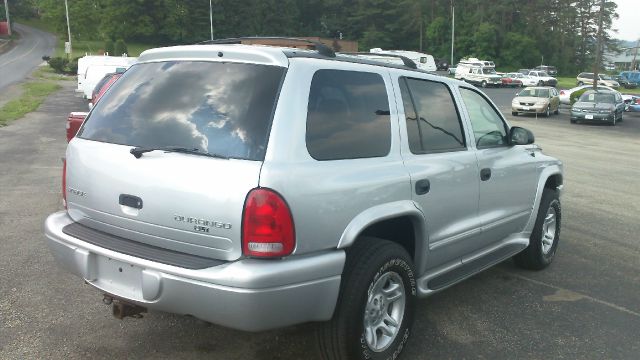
{"x": 485, "y": 174}
{"x": 423, "y": 186}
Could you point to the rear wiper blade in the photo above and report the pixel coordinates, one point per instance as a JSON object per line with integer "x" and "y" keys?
{"x": 138, "y": 151}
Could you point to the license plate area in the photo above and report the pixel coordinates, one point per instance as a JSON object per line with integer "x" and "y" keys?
{"x": 118, "y": 278}
{"x": 588, "y": 117}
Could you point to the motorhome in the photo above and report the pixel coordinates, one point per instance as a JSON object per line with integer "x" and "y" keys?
{"x": 479, "y": 72}
{"x": 423, "y": 61}
{"x": 99, "y": 63}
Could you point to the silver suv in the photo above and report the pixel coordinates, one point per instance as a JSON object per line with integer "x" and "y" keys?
{"x": 258, "y": 187}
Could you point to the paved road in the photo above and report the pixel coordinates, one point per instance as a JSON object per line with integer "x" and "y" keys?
{"x": 18, "y": 62}
{"x": 585, "y": 306}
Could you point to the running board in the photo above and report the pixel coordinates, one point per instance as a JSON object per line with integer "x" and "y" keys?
{"x": 474, "y": 266}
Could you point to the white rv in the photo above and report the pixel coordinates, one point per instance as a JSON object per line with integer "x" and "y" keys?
{"x": 99, "y": 65}
{"x": 479, "y": 72}
{"x": 423, "y": 61}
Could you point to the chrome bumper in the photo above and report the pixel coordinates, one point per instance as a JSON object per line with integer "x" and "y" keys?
{"x": 248, "y": 294}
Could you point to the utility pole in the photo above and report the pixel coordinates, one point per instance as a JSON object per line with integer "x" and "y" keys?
{"x": 635, "y": 55}
{"x": 66, "y": 8}
{"x": 6, "y": 10}
{"x": 453, "y": 28}
{"x": 596, "y": 67}
{"x": 211, "y": 17}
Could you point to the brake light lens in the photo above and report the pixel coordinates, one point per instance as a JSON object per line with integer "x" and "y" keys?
{"x": 64, "y": 182}
{"x": 561, "y": 92}
{"x": 267, "y": 225}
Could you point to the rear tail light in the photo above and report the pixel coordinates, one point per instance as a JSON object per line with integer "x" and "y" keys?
{"x": 64, "y": 182}
{"x": 267, "y": 225}
{"x": 561, "y": 92}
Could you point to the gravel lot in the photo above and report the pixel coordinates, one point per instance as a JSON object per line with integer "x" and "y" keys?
{"x": 585, "y": 306}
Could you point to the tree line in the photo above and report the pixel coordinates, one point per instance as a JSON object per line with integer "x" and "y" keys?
{"x": 512, "y": 33}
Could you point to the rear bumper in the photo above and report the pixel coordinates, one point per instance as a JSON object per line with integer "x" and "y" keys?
{"x": 248, "y": 294}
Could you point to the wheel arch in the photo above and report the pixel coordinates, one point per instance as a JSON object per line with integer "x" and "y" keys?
{"x": 400, "y": 222}
{"x": 550, "y": 178}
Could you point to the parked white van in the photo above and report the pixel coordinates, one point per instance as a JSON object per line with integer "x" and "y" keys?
{"x": 479, "y": 72}
{"x": 423, "y": 61}
{"x": 85, "y": 62}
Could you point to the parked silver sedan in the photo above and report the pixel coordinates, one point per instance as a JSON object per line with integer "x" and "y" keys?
{"x": 536, "y": 100}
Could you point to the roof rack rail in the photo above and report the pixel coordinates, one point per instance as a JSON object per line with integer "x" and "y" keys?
{"x": 320, "y": 47}
{"x": 407, "y": 62}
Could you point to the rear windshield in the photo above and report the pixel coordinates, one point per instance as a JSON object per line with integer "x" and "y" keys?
{"x": 598, "y": 98}
{"x": 219, "y": 108}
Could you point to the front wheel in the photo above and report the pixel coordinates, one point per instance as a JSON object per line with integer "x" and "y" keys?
{"x": 547, "y": 112}
{"x": 545, "y": 235}
{"x": 376, "y": 305}
{"x": 483, "y": 84}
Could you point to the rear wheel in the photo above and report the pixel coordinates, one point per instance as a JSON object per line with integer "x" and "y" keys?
{"x": 545, "y": 236}
{"x": 540, "y": 83}
{"x": 580, "y": 83}
{"x": 514, "y": 113}
{"x": 376, "y": 305}
{"x": 483, "y": 84}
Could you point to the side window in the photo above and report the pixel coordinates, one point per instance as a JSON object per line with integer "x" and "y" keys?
{"x": 433, "y": 123}
{"x": 423, "y": 59}
{"x": 487, "y": 125}
{"x": 348, "y": 116}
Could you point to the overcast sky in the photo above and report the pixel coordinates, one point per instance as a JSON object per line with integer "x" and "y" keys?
{"x": 628, "y": 24}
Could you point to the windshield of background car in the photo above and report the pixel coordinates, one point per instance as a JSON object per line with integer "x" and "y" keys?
{"x": 218, "y": 108}
{"x": 605, "y": 77}
{"x": 488, "y": 71}
{"x": 542, "y": 73}
{"x": 544, "y": 93}
{"x": 598, "y": 98}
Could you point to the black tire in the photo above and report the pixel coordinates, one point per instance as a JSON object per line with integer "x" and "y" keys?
{"x": 580, "y": 83}
{"x": 540, "y": 83}
{"x": 483, "y": 84}
{"x": 343, "y": 337}
{"x": 621, "y": 115}
{"x": 557, "y": 110}
{"x": 573, "y": 121}
{"x": 533, "y": 257}
{"x": 514, "y": 113}
{"x": 613, "y": 122}
{"x": 547, "y": 112}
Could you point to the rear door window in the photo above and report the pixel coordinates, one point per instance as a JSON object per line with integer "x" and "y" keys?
{"x": 221, "y": 108}
{"x": 433, "y": 122}
{"x": 348, "y": 116}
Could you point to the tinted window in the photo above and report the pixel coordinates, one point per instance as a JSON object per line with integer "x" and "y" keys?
{"x": 347, "y": 116}
{"x": 488, "y": 127}
{"x": 433, "y": 124}
{"x": 220, "y": 108}
{"x": 101, "y": 83}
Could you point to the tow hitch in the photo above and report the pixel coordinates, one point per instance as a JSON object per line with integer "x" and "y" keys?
{"x": 122, "y": 309}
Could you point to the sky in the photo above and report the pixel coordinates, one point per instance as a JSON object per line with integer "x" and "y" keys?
{"x": 628, "y": 25}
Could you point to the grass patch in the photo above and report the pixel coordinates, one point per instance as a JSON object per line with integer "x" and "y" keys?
{"x": 33, "y": 94}
{"x": 47, "y": 73}
{"x": 94, "y": 47}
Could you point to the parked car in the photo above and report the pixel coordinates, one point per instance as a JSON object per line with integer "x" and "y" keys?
{"x": 442, "y": 65}
{"x": 74, "y": 121}
{"x": 191, "y": 193}
{"x": 565, "y": 95}
{"x": 631, "y": 76}
{"x": 551, "y": 70}
{"x": 631, "y": 102}
{"x": 598, "y": 105}
{"x": 475, "y": 73}
{"x": 543, "y": 78}
{"x": 452, "y": 70}
{"x": 512, "y": 80}
{"x": 536, "y": 100}
{"x": 586, "y": 78}
{"x": 102, "y": 86}
{"x": 524, "y": 71}
{"x": 106, "y": 63}
{"x": 624, "y": 82}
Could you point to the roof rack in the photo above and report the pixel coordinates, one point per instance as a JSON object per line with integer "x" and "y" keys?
{"x": 320, "y": 47}
{"x": 407, "y": 62}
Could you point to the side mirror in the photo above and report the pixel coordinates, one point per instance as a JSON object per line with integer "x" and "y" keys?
{"x": 520, "y": 136}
